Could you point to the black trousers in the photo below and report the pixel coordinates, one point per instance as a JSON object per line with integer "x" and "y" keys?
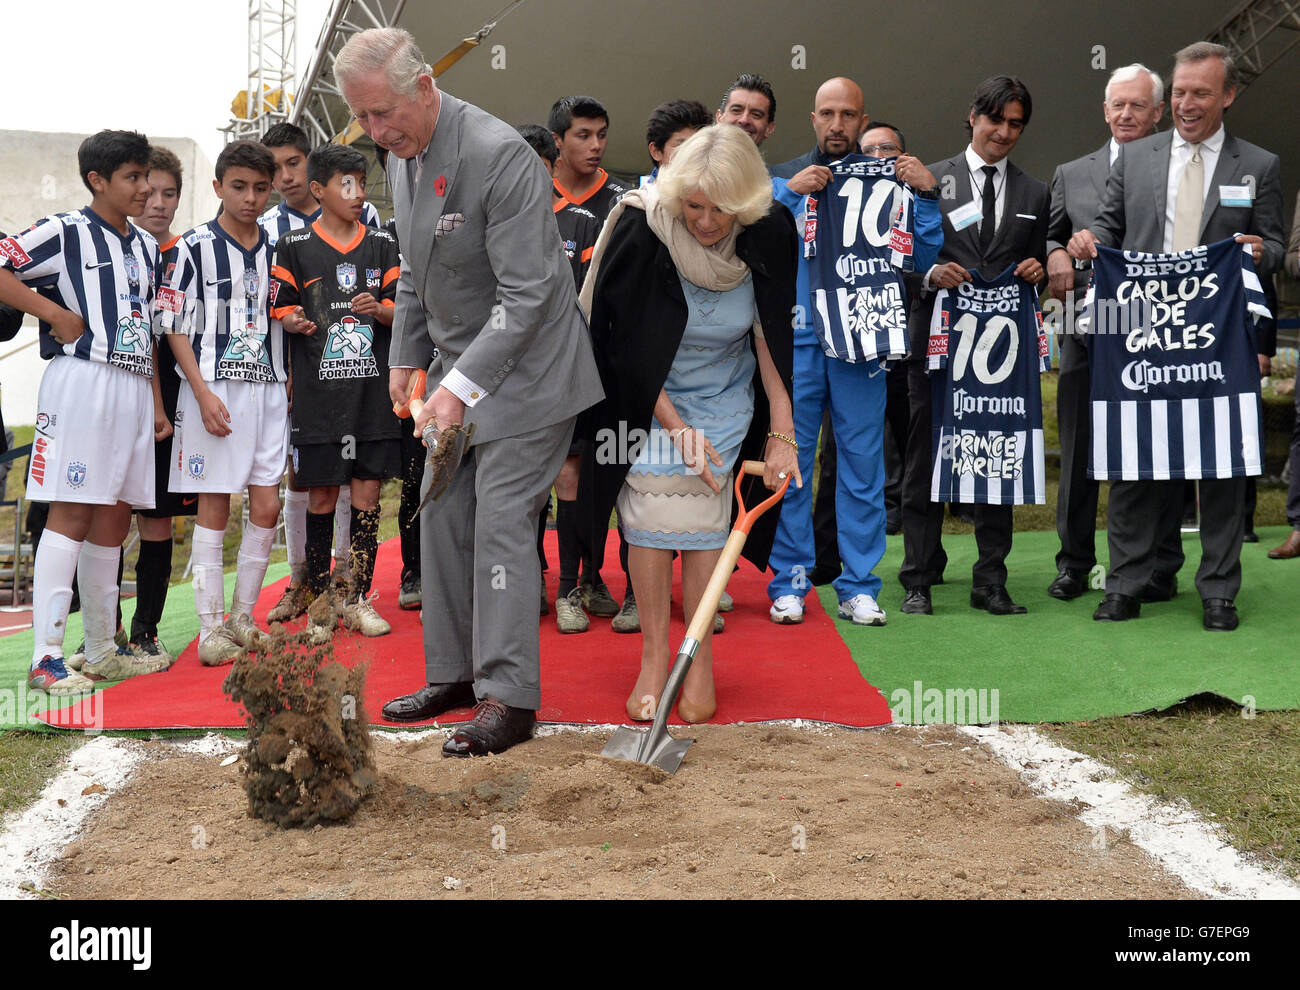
{"x": 924, "y": 558}
{"x": 1076, "y": 499}
{"x": 1143, "y": 519}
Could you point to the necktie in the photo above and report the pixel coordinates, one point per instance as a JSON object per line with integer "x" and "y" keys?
{"x": 989, "y": 222}
{"x": 1187, "y": 205}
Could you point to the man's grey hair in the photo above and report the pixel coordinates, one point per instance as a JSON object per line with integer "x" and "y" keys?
{"x": 1201, "y": 50}
{"x": 390, "y": 50}
{"x": 1136, "y": 71}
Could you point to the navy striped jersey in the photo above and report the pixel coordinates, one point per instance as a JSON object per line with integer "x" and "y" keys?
{"x": 77, "y": 260}
{"x": 217, "y": 297}
{"x": 340, "y": 372}
{"x": 988, "y": 347}
{"x": 580, "y": 218}
{"x": 282, "y": 218}
{"x": 1175, "y": 376}
{"x": 858, "y": 235}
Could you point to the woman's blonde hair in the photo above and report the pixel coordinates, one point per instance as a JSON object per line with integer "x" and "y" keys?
{"x": 722, "y": 163}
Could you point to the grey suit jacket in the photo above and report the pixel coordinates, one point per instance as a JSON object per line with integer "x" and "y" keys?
{"x": 1132, "y": 215}
{"x": 485, "y": 280}
{"x": 1078, "y": 188}
{"x": 1021, "y": 234}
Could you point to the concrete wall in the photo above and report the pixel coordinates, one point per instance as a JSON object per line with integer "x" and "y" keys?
{"x": 38, "y": 176}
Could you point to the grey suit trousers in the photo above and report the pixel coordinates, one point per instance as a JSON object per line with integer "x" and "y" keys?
{"x": 480, "y": 579}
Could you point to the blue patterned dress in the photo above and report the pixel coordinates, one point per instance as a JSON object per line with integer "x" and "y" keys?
{"x": 711, "y": 385}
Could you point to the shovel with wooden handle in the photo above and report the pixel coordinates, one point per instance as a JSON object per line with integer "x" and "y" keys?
{"x": 654, "y": 745}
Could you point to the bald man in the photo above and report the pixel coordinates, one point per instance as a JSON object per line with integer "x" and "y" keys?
{"x": 854, "y": 392}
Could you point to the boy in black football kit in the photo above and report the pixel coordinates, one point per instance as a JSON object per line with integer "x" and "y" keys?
{"x": 584, "y": 194}
{"x": 333, "y": 289}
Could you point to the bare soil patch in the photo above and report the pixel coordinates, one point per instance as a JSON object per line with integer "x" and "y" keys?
{"x": 756, "y": 811}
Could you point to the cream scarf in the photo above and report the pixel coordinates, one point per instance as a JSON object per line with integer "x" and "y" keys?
{"x": 715, "y": 268}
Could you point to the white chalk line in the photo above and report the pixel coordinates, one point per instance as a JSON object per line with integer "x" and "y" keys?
{"x": 1187, "y": 846}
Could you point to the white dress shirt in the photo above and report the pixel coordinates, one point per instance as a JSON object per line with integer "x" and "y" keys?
{"x": 975, "y": 165}
{"x": 1180, "y": 153}
{"x": 1114, "y": 150}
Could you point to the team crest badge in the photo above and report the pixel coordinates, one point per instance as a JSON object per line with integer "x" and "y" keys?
{"x": 132, "y": 268}
{"x": 347, "y": 275}
{"x": 76, "y": 474}
{"x": 196, "y": 466}
{"x": 251, "y": 282}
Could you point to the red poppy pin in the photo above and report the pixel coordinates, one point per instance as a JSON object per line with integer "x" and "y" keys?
{"x": 440, "y": 185}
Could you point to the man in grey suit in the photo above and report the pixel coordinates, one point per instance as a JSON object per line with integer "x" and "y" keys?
{"x": 994, "y": 216}
{"x": 485, "y": 281}
{"x": 1133, "y": 104}
{"x": 1164, "y": 195}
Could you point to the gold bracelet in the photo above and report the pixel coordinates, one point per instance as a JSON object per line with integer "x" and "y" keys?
{"x": 781, "y": 436}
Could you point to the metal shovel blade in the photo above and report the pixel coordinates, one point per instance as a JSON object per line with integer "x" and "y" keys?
{"x": 644, "y": 746}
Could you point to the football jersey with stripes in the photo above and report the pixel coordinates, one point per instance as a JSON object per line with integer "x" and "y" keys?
{"x": 987, "y": 407}
{"x": 282, "y": 218}
{"x": 217, "y": 297}
{"x": 1175, "y": 377}
{"x": 79, "y": 261}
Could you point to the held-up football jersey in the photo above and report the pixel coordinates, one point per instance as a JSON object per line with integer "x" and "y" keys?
{"x": 340, "y": 372}
{"x": 217, "y": 297}
{"x": 987, "y": 348}
{"x": 77, "y": 260}
{"x": 283, "y": 218}
{"x": 1175, "y": 376}
{"x": 859, "y": 234}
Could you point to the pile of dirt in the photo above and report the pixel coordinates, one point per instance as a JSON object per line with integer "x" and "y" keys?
{"x": 308, "y": 757}
{"x": 756, "y": 811}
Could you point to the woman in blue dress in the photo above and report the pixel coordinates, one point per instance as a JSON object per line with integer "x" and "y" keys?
{"x": 689, "y": 297}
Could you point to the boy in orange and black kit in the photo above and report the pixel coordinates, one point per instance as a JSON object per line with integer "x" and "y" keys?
{"x": 333, "y": 289}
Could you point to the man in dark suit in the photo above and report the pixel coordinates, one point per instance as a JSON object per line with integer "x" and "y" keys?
{"x": 1164, "y": 195}
{"x": 994, "y": 216}
{"x": 1133, "y": 104}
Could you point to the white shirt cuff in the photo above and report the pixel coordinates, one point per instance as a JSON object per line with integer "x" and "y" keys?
{"x": 925, "y": 282}
{"x": 461, "y": 387}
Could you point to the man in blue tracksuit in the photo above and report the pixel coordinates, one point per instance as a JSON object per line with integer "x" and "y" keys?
{"x": 853, "y": 391}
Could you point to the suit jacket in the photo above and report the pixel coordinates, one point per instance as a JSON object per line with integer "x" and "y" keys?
{"x": 484, "y": 278}
{"x": 638, "y": 316}
{"x": 1132, "y": 215}
{"x": 1021, "y": 234}
{"x": 1078, "y": 188}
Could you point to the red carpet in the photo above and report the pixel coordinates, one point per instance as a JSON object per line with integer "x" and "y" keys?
{"x": 762, "y": 671}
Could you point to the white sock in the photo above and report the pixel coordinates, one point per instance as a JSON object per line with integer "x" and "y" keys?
{"x": 97, "y": 581}
{"x": 209, "y": 581}
{"x": 295, "y": 533}
{"x": 254, "y": 555}
{"x": 56, "y": 566}
{"x": 343, "y": 529}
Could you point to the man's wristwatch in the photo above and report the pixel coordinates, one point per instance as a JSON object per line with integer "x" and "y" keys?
{"x": 931, "y": 193}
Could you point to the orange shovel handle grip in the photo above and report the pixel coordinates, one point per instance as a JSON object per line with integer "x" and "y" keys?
{"x": 416, "y": 390}
{"x": 745, "y": 520}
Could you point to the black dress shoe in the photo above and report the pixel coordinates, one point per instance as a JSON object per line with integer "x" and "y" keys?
{"x": 993, "y": 598}
{"x": 1220, "y": 614}
{"x": 495, "y": 728}
{"x": 824, "y": 574}
{"x": 1160, "y": 589}
{"x": 1250, "y": 536}
{"x": 430, "y": 701}
{"x": 917, "y": 601}
{"x": 1069, "y": 584}
{"x": 1118, "y": 608}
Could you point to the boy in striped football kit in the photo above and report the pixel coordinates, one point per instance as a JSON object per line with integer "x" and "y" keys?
{"x": 92, "y": 454}
{"x": 297, "y": 209}
{"x": 334, "y": 285}
{"x": 232, "y": 413}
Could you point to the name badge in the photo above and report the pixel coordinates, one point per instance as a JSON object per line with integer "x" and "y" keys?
{"x": 964, "y": 216}
{"x": 1234, "y": 195}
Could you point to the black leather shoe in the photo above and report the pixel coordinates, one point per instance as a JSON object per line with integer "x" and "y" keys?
{"x": 1160, "y": 589}
{"x": 495, "y": 728}
{"x": 1250, "y": 536}
{"x": 1069, "y": 584}
{"x": 1220, "y": 614}
{"x": 430, "y": 701}
{"x": 1118, "y": 608}
{"x": 917, "y": 601}
{"x": 993, "y": 598}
